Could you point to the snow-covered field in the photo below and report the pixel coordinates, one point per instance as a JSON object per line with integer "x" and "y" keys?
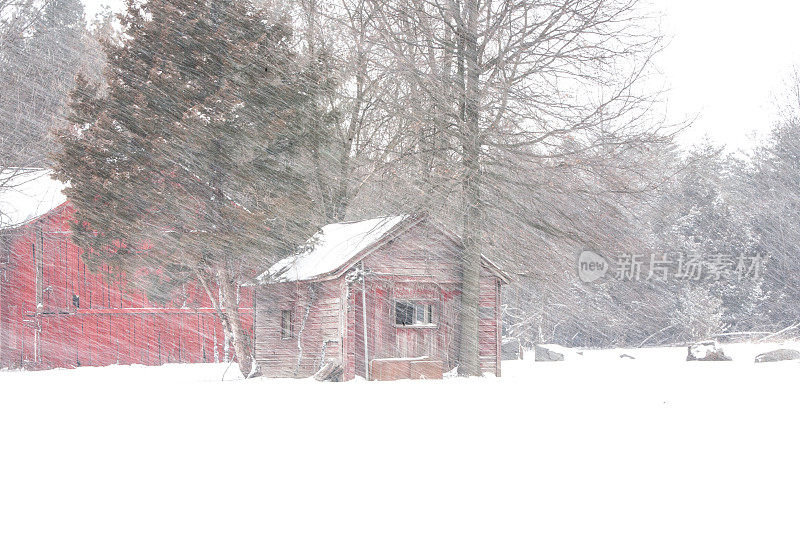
{"x": 596, "y": 443}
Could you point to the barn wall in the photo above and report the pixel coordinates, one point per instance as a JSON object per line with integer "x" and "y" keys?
{"x": 317, "y": 331}
{"x": 87, "y": 318}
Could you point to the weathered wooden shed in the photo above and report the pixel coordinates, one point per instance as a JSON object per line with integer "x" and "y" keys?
{"x": 381, "y": 296}
{"x": 54, "y": 312}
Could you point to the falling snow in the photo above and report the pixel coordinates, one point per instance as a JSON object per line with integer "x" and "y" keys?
{"x": 321, "y": 265}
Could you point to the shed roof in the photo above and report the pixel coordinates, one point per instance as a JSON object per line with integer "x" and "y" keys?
{"x": 336, "y": 247}
{"x": 332, "y": 247}
{"x": 26, "y": 194}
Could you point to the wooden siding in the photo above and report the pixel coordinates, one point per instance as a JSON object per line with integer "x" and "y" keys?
{"x": 318, "y": 323}
{"x": 398, "y": 368}
{"x": 88, "y": 318}
{"x": 421, "y": 264}
{"x": 423, "y": 253}
{"x": 489, "y": 326}
{"x": 424, "y": 264}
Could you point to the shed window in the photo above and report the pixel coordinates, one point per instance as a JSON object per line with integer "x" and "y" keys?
{"x": 286, "y": 324}
{"x": 408, "y": 313}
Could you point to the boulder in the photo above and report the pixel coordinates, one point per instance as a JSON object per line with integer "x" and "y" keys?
{"x": 626, "y": 356}
{"x": 511, "y": 349}
{"x": 782, "y": 354}
{"x": 706, "y": 351}
{"x": 542, "y": 353}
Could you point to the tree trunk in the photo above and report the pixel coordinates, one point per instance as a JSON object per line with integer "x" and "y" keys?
{"x": 469, "y": 363}
{"x": 342, "y": 195}
{"x": 321, "y": 176}
{"x": 230, "y": 312}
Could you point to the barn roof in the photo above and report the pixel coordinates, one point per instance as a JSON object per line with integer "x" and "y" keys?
{"x": 26, "y": 194}
{"x": 336, "y": 247}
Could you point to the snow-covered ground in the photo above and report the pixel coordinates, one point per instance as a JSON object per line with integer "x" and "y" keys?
{"x": 596, "y": 443}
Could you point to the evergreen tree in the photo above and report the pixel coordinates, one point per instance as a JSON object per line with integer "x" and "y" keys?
{"x": 185, "y": 169}
{"x": 768, "y": 195}
{"x": 704, "y": 224}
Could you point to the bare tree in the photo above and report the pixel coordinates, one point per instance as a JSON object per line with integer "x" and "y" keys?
{"x": 44, "y": 47}
{"x": 508, "y": 85}
{"x": 17, "y": 18}
{"x": 361, "y": 137}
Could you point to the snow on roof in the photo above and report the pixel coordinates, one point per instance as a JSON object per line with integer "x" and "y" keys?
{"x": 330, "y": 248}
{"x": 27, "y": 193}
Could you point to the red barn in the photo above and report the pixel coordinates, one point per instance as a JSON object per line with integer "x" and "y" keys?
{"x": 54, "y": 312}
{"x": 381, "y": 296}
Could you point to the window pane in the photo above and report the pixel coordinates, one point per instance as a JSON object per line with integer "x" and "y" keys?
{"x": 403, "y": 313}
{"x": 409, "y": 313}
{"x": 420, "y": 310}
{"x": 286, "y": 324}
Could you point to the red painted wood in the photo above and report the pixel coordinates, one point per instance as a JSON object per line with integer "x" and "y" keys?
{"x": 420, "y": 264}
{"x": 112, "y": 322}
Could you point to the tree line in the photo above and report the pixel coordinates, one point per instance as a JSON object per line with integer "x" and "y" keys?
{"x": 727, "y": 223}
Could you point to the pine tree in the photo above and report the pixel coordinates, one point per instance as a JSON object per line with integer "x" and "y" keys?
{"x": 184, "y": 169}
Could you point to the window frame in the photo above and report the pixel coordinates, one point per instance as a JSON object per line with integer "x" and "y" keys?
{"x": 430, "y": 308}
{"x": 287, "y": 330}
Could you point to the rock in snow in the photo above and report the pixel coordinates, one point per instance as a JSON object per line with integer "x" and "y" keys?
{"x": 511, "y": 349}
{"x": 543, "y": 353}
{"x": 706, "y": 351}
{"x": 782, "y": 354}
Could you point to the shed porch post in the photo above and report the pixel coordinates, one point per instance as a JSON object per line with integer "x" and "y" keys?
{"x": 364, "y": 319}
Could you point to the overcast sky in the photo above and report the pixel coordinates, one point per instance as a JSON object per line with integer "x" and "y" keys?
{"x": 725, "y": 63}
